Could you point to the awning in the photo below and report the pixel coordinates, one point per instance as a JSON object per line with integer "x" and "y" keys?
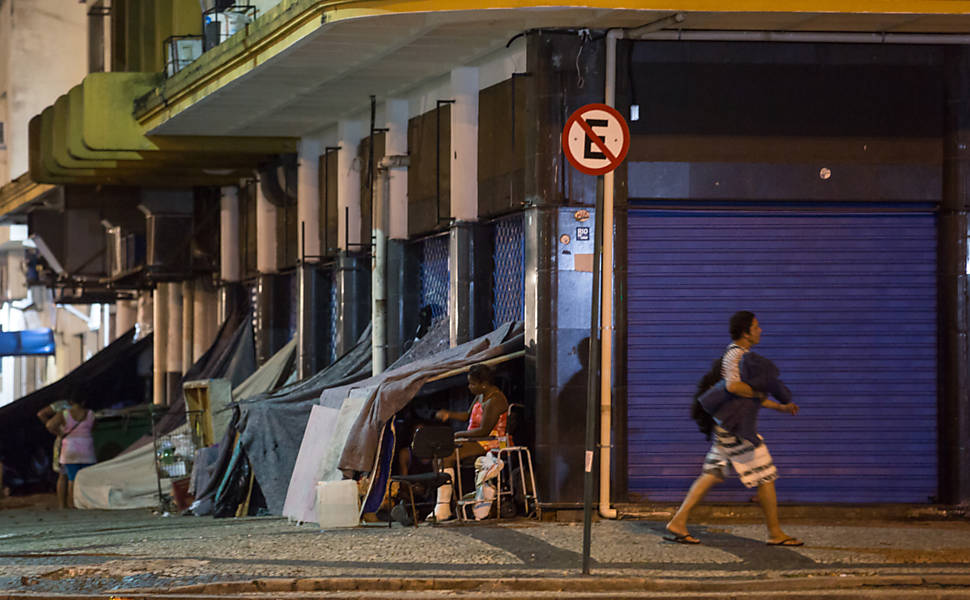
{"x": 29, "y": 342}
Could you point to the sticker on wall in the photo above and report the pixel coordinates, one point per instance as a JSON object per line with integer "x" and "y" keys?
{"x": 564, "y": 239}
{"x": 582, "y": 234}
{"x": 581, "y": 215}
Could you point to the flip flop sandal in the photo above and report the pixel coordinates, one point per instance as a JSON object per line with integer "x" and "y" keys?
{"x": 681, "y": 539}
{"x": 788, "y": 541}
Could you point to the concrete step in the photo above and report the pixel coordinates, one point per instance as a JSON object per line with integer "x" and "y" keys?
{"x": 907, "y": 587}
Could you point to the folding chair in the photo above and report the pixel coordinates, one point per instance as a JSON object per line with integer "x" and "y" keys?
{"x": 429, "y": 441}
{"x": 513, "y": 456}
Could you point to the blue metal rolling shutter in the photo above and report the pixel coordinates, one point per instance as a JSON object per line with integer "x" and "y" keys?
{"x": 508, "y": 285}
{"x": 848, "y": 304}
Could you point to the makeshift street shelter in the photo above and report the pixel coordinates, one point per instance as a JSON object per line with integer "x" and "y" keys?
{"x": 129, "y": 480}
{"x": 270, "y": 426}
{"x": 117, "y": 376}
{"x": 352, "y": 432}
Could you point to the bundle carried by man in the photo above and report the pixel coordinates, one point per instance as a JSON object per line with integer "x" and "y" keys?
{"x": 739, "y": 415}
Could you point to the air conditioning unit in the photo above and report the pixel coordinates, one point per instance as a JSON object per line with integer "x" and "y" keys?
{"x": 116, "y": 250}
{"x": 180, "y": 52}
{"x": 169, "y": 238}
{"x": 222, "y": 22}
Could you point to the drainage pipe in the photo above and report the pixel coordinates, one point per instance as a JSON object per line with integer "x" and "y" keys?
{"x": 379, "y": 274}
{"x": 606, "y": 301}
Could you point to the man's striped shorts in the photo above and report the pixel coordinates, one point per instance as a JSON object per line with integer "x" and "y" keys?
{"x": 752, "y": 463}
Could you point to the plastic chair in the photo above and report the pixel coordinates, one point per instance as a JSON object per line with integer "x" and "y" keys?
{"x": 434, "y": 442}
{"x": 512, "y": 456}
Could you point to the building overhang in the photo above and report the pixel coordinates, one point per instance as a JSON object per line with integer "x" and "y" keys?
{"x": 306, "y": 64}
{"x": 20, "y": 195}
{"x": 90, "y": 136}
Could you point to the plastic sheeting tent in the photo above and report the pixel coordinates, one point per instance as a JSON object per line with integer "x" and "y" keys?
{"x": 271, "y": 425}
{"x": 129, "y": 480}
{"x": 115, "y": 377}
{"x": 357, "y": 415}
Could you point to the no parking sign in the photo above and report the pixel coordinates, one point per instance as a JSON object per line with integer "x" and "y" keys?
{"x": 595, "y": 139}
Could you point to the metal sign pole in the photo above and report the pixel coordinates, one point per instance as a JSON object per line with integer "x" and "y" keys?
{"x": 592, "y": 381}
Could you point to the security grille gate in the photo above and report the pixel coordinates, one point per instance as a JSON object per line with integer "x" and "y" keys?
{"x": 848, "y": 305}
{"x": 435, "y": 280}
{"x": 508, "y": 280}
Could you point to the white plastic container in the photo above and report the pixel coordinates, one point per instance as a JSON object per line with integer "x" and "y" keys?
{"x": 337, "y": 504}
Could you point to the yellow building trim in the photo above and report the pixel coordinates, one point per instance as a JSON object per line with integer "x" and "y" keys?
{"x": 293, "y": 20}
{"x": 355, "y": 8}
{"x": 19, "y": 192}
{"x": 90, "y": 135}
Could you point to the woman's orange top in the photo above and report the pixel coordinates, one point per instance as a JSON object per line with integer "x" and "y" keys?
{"x": 475, "y": 421}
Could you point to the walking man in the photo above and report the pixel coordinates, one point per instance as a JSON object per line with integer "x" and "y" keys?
{"x": 751, "y": 461}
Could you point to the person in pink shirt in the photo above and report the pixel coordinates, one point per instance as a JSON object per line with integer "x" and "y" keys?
{"x": 77, "y": 445}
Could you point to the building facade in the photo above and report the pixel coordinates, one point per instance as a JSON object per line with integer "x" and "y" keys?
{"x": 381, "y": 163}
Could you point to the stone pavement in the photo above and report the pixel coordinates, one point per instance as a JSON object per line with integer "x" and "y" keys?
{"x": 920, "y": 551}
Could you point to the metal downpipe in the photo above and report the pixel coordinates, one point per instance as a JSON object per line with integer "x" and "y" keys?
{"x": 606, "y": 303}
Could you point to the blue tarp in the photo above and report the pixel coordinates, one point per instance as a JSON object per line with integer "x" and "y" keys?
{"x": 29, "y": 342}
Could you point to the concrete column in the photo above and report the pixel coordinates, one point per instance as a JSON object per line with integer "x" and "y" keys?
{"x": 464, "y": 144}
{"x": 145, "y": 319}
{"x": 464, "y": 203}
{"x": 160, "y": 343}
{"x": 469, "y": 269}
{"x": 204, "y": 308}
{"x": 188, "y": 324}
{"x": 353, "y": 299}
{"x": 348, "y": 186}
{"x": 396, "y": 145}
{"x": 266, "y": 264}
{"x": 106, "y": 332}
{"x": 308, "y": 196}
{"x": 229, "y": 268}
{"x": 126, "y": 315}
{"x": 399, "y": 289}
{"x": 556, "y": 348}
{"x": 173, "y": 367}
{"x": 954, "y": 305}
{"x": 266, "y": 244}
{"x": 308, "y": 228}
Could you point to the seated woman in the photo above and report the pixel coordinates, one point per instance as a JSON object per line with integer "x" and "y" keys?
{"x": 486, "y": 417}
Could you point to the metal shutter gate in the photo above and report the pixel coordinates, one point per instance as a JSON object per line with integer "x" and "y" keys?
{"x": 508, "y": 283}
{"x": 848, "y": 306}
{"x": 435, "y": 278}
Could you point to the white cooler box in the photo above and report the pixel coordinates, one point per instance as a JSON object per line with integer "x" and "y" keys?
{"x": 337, "y": 504}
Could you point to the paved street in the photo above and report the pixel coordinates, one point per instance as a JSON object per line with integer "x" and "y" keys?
{"x": 46, "y": 551}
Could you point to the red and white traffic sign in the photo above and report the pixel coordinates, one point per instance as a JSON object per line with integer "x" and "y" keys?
{"x": 596, "y": 139}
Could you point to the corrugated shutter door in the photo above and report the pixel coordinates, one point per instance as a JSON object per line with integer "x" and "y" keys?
{"x": 848, "y": 306}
